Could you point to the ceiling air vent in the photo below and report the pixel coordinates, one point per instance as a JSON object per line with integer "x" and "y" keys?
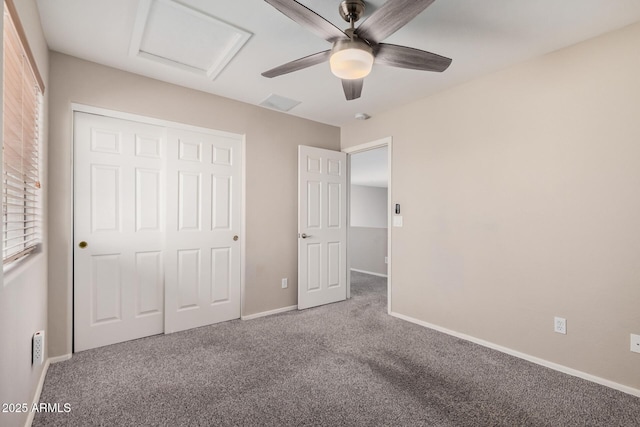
{"x": 280, "y": 103}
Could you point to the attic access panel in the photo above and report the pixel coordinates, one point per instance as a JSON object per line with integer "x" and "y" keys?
{"x": 173, "y": 34}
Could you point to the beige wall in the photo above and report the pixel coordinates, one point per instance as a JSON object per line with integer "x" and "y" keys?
{"x": 23, "y": 289}
{"x": 271, "y": 181}
{"x": 521, "y": 201}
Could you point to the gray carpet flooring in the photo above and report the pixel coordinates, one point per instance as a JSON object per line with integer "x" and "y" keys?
{"x": 343, "y": 364}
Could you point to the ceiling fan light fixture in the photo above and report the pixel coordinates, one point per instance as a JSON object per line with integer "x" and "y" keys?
{"x": 351, "y": 59}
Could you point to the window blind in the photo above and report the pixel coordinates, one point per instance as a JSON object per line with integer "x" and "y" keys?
{"x": 21, "y": 201}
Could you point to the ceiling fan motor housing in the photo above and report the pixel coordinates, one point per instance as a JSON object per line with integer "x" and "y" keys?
{"x": 351, "y": 10}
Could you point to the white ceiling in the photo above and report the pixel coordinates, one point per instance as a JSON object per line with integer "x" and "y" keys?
{"x": 370, "y": 168}
{"x": 480, "y": 35}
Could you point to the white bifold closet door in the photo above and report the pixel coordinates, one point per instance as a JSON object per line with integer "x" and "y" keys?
{"x": 155, "y": 215}
{"x": 203, "y": 226}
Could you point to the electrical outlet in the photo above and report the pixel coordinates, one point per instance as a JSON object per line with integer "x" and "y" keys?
{"x": 560, "y": 325}
{"x": 285, "y": 283}
{"x": 38, "y": 348}
{"x": 635, "y": 343}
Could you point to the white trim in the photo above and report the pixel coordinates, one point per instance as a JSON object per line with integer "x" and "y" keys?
{"x": 59, "y": 359}
{"x": 243, "y": 222}
{"x": 348, "y": 207}
{"x": 43, "y": 376}
{"x": 36, "y": 396}
{"x": 369, "y": 272}
{"x": 367, "y": 146}
{"x": 383, "y": 142}
{"x": 533, "y": 359}
{"x": 218, "y": 63}
{"x": 82, "y": 108}
{"x": 270, "y": 312}
{"x": 144, "y": 7}
{"x": 72, "y": 238}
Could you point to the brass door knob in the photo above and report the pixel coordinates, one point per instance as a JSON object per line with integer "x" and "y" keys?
{"x": 82, "y": 244}
{"x": 235, "y": 238}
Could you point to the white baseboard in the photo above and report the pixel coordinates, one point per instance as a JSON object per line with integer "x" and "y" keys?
{"x": 269, "y": 313}
{"x": 43, "y": 375}
{"x": 60, "y": 358}
{"x": 36, "y": 396}
{"x": 368, "y": 272}
{"x": 551, "y": 365}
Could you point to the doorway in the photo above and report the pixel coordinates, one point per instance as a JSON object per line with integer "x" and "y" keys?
{"x": 370, "y": 210}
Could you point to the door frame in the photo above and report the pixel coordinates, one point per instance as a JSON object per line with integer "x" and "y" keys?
{"x": 379, "y": 143}
{"x": 82, "y": 108}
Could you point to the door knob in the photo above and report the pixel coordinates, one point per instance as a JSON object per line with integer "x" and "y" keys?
{"x": 304, "y": 235}
{"x": 235, "y": 238}
{"x": 82, "y": 244}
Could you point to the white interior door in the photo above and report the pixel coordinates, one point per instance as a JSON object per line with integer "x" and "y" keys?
{"x": 203, "y": 224}
{"x": 322, "y": 229}
{"x": 118, "y": 230}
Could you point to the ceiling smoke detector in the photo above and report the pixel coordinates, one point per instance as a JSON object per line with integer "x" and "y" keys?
{"x": 362, "y": 116}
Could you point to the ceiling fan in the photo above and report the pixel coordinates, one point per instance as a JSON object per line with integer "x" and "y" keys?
{"x": 355, "y": 49}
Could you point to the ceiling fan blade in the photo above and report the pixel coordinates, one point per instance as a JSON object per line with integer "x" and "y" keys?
{"x": 352, "y": 88}
{"x": 308, "y": 19}
{"x": 408, "y": 57}
{"x": 392, "y": 16}
{"x": 298, "y": 64}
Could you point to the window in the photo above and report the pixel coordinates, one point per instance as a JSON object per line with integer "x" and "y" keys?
{"x": 22, "y": 94}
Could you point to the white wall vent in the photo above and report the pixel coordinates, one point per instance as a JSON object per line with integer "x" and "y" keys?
{"x": 280, "y": 103}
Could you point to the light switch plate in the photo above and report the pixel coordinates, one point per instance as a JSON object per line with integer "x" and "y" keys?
{"x": 397, "y": 221}
{"x": 635, "y": 343}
